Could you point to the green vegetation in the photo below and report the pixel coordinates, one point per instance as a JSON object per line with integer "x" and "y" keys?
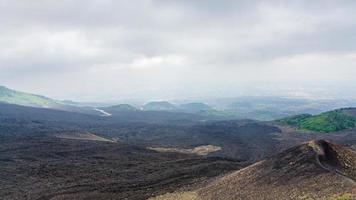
{"x": 346, "y": 196}
{"x": 326, "y": 122}
{"x": 20, "y": 98}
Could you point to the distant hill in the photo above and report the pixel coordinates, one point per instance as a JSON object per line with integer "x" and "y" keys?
{"x": 313, "y": 170}
{"x": 120, "y": 107}
{"x": 191, "y": 108}
{"x": 195, "y": 107}
{"x": 26, "y": 99}
{"x": 331, "y": 121}
{"x": 159, "y": 106}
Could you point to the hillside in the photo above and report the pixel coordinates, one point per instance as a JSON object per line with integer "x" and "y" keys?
{"x": 331, "y": 121}
{"x": 313, "y": 170}
{"x": 9, "y": 96}
{"x": 26, "y": 99}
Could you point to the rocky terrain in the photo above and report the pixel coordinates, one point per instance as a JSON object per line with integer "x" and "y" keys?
{"x": 54, "y": 168}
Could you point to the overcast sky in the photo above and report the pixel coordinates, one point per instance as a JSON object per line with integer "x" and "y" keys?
{"x": 103, "y": 50}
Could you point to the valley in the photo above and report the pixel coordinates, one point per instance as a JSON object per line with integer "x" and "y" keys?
{"x": 121, "y": 152}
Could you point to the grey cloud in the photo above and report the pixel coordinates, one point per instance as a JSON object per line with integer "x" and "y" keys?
{"x": 175, "y": 43}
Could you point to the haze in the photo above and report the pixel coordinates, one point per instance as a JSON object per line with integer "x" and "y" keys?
{"x": 110, "y": 50}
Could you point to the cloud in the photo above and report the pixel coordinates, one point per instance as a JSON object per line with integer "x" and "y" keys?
{"x": 155, "y": 48}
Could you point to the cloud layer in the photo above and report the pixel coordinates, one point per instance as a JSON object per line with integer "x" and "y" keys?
{"x": 107, "y": 49}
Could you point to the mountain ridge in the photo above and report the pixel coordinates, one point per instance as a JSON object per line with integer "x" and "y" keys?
{"x": 159, "y": 106}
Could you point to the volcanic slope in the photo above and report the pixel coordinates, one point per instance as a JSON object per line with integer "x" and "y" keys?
{"x": 312, "y": 170}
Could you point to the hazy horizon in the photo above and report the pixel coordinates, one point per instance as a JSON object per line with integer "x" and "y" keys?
{"x": 159, "y": 50}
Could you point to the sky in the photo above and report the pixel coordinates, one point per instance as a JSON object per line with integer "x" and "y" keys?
{"x": 107, "y": 50}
